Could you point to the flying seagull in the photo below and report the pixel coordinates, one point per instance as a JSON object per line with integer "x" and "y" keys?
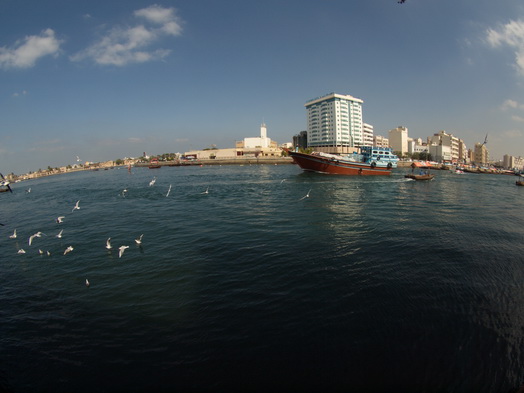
{"x": 21, "y": 251}
{"x": 121, "y": 250}
{"x": 60, "y": 234}
{"x": 68, "y": 249}
{"x": 87, "y": 282}
{"x": 152, "y": 182}
{"x": 305, "y": 196}
{"x": 108, "y": 244}
{"x": 168, "y": 191}
{"x": 5, "y": 183}
{"x": 60, "y": 219}
{"x": 77, "y": 207}
{"x": 206, "y": 191}
{"x": 139, "y": 239}
{"x": 13, "y": 236}
{"x": 38, "y": 234}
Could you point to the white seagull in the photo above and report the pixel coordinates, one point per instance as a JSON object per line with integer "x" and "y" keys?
{"x": 121, "y": 250}
{"x": 124, "y": 191}
{"x": 60, "y": 234}
{"x": 305, "y": 196}
{"x": 13, "y": 236}
{"x": 38, "y": 234}
{"x": 68, "y": 249}
{"x": 21, "y": 251}
{"x": 76, "y": 207}
{"x": 206, "y": 191}
{"x": 139, "y": 239}
{"x": 59, "y": 219}
{"x": 87, "y": 282}
{"x": 108, "y": 244}
{"x": 168, "y": 191}
{"x": 40, "y": 252}
{"x": 152, "y": 182}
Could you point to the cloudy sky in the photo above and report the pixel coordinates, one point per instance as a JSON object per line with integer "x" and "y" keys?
{"x": 108, "y": 79}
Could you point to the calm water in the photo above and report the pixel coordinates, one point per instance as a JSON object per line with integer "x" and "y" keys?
{"x": 369, "y": 284}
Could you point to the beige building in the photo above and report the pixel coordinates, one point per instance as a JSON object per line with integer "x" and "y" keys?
{"x": 480, "y": 154}
{"x": 380, "y": 141}
{"x": 513, "y": 163}
{"x": 398, "y": 139}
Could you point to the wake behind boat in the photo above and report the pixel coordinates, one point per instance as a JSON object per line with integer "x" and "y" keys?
{"x": 370, "y": 161}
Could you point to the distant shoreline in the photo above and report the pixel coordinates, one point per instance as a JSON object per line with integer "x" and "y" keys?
{"x": 218, "y": 161}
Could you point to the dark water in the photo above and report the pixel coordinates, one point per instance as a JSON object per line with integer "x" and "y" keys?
{"x": 369, "y": 284}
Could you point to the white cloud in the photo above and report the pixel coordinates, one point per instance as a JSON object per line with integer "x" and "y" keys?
{"x": 122, "y": 46}
{"x": 18, "y": 94}
{"x": 512, "y": 35}
{"x": 513, "y": 134}
{"x": 509, "y": 104}
{"x": 25, "y": 53}
{"x": 519, "y": 119}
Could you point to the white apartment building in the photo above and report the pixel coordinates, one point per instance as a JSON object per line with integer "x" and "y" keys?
{"x": 513, "y": 163}
{"x": 367, "y": 134}
{"x": 454, "y": 149}
{"x": 417, "y": 146}
{"x": 334, "y": 123}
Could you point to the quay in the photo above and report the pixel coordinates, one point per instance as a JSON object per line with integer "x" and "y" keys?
{"x": 218, "y": 161}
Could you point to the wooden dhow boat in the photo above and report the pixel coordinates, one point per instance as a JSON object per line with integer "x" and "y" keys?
{"x": 370, "y": 161}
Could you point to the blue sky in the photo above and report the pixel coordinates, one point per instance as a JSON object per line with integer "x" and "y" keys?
{"x": 108, "y": 79}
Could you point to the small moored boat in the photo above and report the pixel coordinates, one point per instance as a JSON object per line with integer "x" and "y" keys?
{"x": 153, "y": 164}
{"x": 423, "y": 175}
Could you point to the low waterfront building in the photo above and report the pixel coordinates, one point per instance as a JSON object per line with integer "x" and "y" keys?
{"x": 417, "y": 146}
{"x": 257, "y": 147}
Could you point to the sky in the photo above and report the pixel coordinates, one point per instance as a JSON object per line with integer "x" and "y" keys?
{"x": 102, "y": 80}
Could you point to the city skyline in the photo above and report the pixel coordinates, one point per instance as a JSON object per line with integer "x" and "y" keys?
{"x": 108, "y": 80}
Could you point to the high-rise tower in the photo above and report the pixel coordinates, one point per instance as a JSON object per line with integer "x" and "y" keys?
{"x": 334, "y": 123}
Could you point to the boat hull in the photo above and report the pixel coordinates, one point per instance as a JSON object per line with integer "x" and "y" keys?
{"x": 420, "y": 177}
{"x": 309, "y": 162}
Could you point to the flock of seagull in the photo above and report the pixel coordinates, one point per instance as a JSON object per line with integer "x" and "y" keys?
{"x": 60, "y": 220}
{"x": 108, "y": 245}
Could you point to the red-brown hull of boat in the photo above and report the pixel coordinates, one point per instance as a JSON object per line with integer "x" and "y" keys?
{"x": 313, "y": 163}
